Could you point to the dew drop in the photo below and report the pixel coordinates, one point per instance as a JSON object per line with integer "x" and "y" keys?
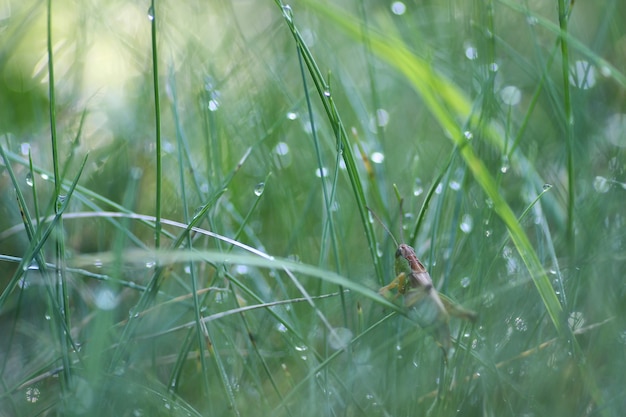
{"x": 281, "y": 328}
{"x": 151, "y": 13}
{"x": 339, "y": 338}
{"x": 605, "y": 71}
{"x": 326, "y": 93}
{"x": 213, "y": 105}
{"x": 259, "y": 188}
{"x": 601, "y": 184}
{"x": 546, "y": 187}
{"x": 25, "y": 148}
{"x": 398, "y": 8}
{"x": 582, "y": 75}
{"x": 377, "y": 157}
{"x": 532, "y": 20}
{"x": 465, "y": 282}
{"x": 292, "y": 116}
{"x": 29, "y": 179}
{"x": 106, "y": 299}
{"x": 468, "y": 135}
{"x": 321, "y": 172}
{"x": 615, "y": 129}
{"x": 281, "y": 148}
{"x": 511, "y": 95}
{"x": 241, "y": 269}
{"x": 504, "y": 168}
{"x": 382, "y": 117}
{"x": 576, "y": 320}
{"x": 288, "y": 13}
{"x": 418, "y": 189}
{"x": 379, "y": 251}
{"x": 32, "y": 394}
{"x": 136, "y": 173}
{"x": 467, "y": 223}
{"x": 471, "y": 52}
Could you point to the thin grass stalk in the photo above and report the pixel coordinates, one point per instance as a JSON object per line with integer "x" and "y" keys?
{"x": 564, "y": 12}
{"x": 152, "y": 15}
{"x": 61, "y": 284}
{"x": 192, "y": 269}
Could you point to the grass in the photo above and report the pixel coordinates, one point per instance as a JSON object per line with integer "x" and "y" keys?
{"x": 195, "y": 238}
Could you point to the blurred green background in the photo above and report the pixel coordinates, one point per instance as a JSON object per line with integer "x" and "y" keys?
{"x": 278, "y": 124}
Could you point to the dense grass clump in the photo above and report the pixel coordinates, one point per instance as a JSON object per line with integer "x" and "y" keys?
{"x": 184, "y": 223}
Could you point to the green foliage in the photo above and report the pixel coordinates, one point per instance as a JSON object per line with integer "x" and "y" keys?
{"x": 191, "y": 236}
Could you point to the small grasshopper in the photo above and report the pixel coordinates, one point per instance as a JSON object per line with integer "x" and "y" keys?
{"x": 426, "y": 306}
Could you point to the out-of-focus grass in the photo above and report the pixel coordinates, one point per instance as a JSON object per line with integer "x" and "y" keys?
{"x": 278, "y": 125}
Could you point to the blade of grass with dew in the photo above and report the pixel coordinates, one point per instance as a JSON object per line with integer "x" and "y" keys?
{"x": 569, "y": 123}
{"x": 170, "y": 257}
{"x": 340, "y": 132}
{"x": 61, "y": 277}
{"x": 152, "y": 15}
{"x": 197, "y": 303}
{"x": 327, "y": 199}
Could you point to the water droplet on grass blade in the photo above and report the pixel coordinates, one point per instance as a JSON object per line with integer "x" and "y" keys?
{"x": 601, "y": 184}
{"x": 29, "y": 179}
{"x": 151, "y": 13}
{"x": 471, "y": 52}
{"x": 292, "y": 116}
{"x": 377, "y": 157}
{"x": 213, "y": 105}
{"x": 321, "y": 172}
{"x": 465, "y": 282}
{"x": 106, "y": 299}
{"x": 582, "y": 75}
{"x": 510, "y": 95}
{"x": 398, "y": 8}
{"x": 25, "y": 148}
{"x": 468, "y": 135}
{"x": 32, "y": 394}
{"x": 288, "y": 13}
{"x": 467, "y": 223}
{"x": 339, "y": 338}
{"x": 259, "y": 188}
